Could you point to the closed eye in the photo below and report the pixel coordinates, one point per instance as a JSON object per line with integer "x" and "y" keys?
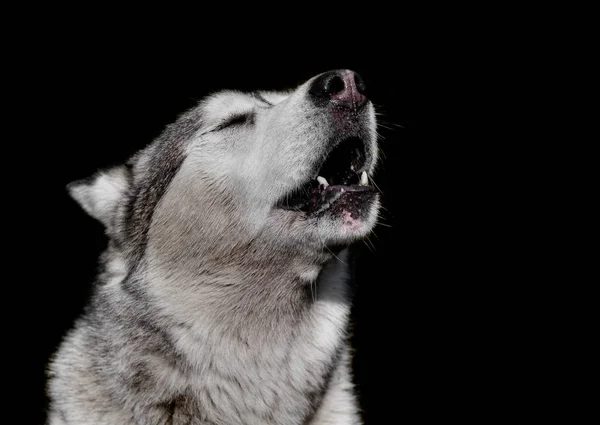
{"x": 236, "y": 119}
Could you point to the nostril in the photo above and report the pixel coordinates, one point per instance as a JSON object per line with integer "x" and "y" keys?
{"x": 327, "y": 85}
{"x": 335, "y": 85}
{"x": 360, "y": 84}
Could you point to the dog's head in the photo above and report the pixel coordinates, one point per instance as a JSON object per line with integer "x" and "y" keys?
{"x": 261, "y": 173}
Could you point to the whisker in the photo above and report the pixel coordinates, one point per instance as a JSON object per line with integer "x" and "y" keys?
{"x": 379, "y": 124}
{"x": 385, "y": 124}
{"x": 371, "y": 243}
{"x": 379, "y": 135}
{"x": 375, "y": 184}
{"x": 333, "y": 254}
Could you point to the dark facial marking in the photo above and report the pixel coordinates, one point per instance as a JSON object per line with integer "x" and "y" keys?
{"x": 162, "y": 168}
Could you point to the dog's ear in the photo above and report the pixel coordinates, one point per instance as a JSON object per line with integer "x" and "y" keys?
{"x": 100, "y": 194}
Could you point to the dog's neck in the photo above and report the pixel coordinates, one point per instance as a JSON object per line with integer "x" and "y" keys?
{"x": 243, "y": 294}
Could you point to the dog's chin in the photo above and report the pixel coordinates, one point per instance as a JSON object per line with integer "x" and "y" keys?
{"x": 340, "y": 215}
{"x": 346, "y": 214}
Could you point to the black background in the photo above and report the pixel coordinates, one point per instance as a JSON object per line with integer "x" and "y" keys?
{"x": 421, "y": 317}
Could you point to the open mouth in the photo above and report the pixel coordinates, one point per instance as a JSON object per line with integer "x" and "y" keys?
{"x": 341, "y": 173}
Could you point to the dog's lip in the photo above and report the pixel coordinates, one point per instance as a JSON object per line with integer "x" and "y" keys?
{"x": 349, "y": 188}
{"x": 325, "y": 197}
{"x": 318, "y": 192}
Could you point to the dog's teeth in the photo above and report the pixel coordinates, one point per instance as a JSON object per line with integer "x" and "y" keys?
{"x": 322, "y": 181}
{"x": 364, "y": 180}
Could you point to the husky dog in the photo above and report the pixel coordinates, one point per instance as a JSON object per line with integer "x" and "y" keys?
{"x": 224, "y": 294}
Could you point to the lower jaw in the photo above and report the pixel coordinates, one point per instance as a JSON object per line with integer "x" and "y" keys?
{"x": 349, "y": 202}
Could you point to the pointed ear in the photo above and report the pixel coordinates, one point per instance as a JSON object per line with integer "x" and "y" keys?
{"x": 100, "y": 194}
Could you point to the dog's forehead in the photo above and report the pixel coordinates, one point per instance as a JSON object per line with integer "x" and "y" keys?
{"x": 225, "y": 102}
{"x": 231, "y": 102}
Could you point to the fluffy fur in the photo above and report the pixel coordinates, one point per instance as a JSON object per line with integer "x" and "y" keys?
{"x": 215, "y": 305}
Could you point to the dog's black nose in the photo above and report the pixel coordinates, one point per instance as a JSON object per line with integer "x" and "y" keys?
{"x": 342, "y": 87}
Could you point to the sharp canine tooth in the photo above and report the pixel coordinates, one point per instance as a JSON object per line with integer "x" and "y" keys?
{"x": 322, "y": 181}
{"x": 364, "y": 180}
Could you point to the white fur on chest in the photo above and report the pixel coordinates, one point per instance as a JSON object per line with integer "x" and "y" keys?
{"x": 269, "y": 375}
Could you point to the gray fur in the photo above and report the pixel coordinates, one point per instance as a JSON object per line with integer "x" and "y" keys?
{"x": 213, "y": 306}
